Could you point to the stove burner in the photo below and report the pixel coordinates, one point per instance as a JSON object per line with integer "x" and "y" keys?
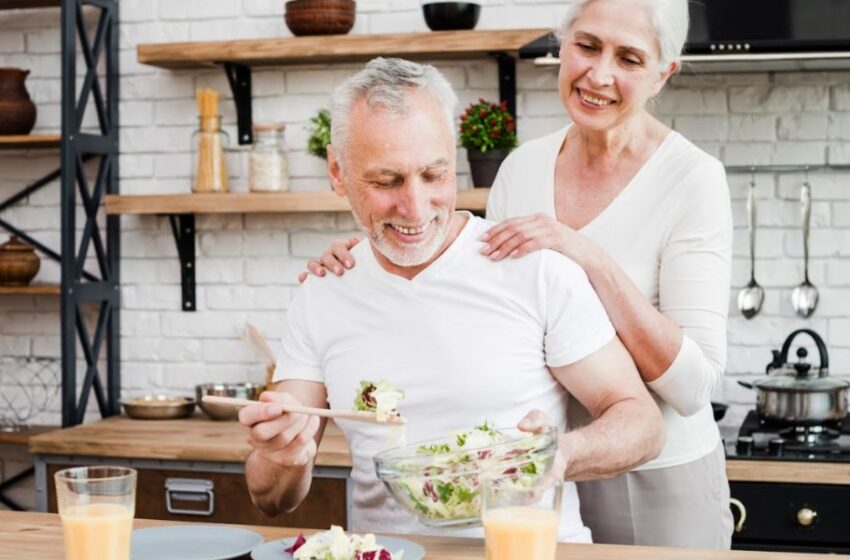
{"x": 810, "y": 434}
{"x": 773, "y": 440}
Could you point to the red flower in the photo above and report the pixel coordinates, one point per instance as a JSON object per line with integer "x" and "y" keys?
{"x": 483, "y": 113}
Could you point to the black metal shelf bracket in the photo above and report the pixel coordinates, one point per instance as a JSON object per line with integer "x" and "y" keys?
{"x": 239, "y": 77}
{"x": 507, "y": 79}
{"x": 183, "y": 228}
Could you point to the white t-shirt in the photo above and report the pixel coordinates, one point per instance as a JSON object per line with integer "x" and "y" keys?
{"x": 467, "y": 340}
{"x": 670, "y": 230}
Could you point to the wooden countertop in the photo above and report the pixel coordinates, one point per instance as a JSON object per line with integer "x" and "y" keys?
{"x": 192, "y": 439}
{"x": 37, "y": 536}
{"x": 199, "y": 439}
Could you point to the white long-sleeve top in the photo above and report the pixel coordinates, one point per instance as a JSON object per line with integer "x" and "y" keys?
{"x": 670, "y": 230}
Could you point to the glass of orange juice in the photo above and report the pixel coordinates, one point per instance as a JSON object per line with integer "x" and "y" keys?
{"x": 520, "y": 516}
{"x": 97, "y": 505}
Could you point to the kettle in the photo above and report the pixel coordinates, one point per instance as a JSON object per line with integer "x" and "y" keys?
{"x": 800, "y": 368}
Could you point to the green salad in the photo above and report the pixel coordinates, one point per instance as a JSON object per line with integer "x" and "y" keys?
{"x": 446, "y": 487}
{"x": 381, "y": 398}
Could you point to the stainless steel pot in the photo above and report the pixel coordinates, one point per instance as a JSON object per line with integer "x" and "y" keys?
{"x": 793, "y": 394}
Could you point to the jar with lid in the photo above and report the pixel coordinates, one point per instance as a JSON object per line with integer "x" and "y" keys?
{"x": 209, "y": 142}
{"x": 268, "y": 170}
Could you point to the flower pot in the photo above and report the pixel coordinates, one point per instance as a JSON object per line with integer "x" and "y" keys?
{"x": 17, "y": 111}
{"x": 485, "y": 165}
{"x": 18, "y": 263}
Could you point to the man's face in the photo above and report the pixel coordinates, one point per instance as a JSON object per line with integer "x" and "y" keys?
{"x": 400, "y": 179}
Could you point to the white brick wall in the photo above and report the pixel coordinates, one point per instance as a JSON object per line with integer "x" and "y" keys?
{"x": 247, "y": 265}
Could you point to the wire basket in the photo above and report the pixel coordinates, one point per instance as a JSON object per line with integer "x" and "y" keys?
{"x": 28, "y": 388}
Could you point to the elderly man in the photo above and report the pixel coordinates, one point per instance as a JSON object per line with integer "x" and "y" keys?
{"x": 466, "y": 339}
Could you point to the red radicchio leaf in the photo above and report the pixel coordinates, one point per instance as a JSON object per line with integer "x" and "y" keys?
{"x": 366, "y": 555}
{"x": 299, "y": 542}
{"x": 385, "y": 555}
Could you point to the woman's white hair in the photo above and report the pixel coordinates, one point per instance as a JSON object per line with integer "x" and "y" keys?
{"x": 386, "y": 82}
{"x": 670, "y": 19}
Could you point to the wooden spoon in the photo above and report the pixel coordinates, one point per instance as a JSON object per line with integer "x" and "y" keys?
{"x": 356, "y": 415}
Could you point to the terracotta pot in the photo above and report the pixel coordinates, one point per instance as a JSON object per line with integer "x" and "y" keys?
{"x": 18, "y": 263}
{"x": 484, "y": 165}
{"x": 17, "y": 111}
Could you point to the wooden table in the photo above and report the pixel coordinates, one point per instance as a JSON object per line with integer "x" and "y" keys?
{"x": 36, "y": 536}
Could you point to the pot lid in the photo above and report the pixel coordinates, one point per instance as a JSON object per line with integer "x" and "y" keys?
{"x": 796, "y": 384}
{"x": 15, "y": 244}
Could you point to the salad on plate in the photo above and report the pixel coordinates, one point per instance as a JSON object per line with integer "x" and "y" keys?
{"x": 336, "y": 544}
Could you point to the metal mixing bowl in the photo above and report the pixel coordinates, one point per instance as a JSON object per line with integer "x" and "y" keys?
{"x": 158, "y": 407}
{"x": 238, "y": 390}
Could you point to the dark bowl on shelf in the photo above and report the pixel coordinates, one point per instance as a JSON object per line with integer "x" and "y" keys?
{"x": 719, "y": 410}
{"x": 319, "y": 17}
{"x": 447, "y": 16}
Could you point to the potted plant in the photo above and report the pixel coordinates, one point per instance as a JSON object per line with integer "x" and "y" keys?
{"x": 320, "y": 134}
{"x": 488, "y": 132}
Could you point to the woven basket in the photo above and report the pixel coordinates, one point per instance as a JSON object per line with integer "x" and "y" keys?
{"x": 319, "y": 17}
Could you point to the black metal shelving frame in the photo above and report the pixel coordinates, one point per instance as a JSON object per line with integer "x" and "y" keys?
{"x": 79, "y": 287}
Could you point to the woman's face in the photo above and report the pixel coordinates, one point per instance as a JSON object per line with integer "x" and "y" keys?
{"x": 610, "y": 64}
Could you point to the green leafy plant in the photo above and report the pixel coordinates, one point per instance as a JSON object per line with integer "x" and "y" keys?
{"x": 320, "y": 134}
{"x": 486, "y": 126}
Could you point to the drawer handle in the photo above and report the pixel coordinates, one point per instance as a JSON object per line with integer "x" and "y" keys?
{"x": 190, "y": 490}
{"x": 806, "y": 517}
{"x": 742, "y": 511}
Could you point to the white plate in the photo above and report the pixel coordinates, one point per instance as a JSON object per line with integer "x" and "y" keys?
{"x": 274, "y": 550}
{"x": 192, "y": 542}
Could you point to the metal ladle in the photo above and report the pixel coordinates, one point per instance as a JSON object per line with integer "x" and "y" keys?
{"x": 804, "y": 298}
{"x": 751, "y": 297}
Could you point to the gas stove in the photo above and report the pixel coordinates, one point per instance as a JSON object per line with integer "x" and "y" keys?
{"x": 762, "y": 440}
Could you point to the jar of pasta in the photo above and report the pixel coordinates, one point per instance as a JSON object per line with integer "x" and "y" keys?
{"x": 268, "y": 170}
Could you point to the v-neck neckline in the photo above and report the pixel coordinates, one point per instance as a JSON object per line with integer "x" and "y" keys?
{"x": 434, "y": 269}
{"x": 616, "y": 201}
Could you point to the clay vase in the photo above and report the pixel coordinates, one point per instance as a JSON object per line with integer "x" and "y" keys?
{"x": 17, "y": 111}
{"x": 18, "y": 263}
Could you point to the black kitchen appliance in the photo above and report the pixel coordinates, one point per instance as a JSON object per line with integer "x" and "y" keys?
{"x": 768, "y": 26}
{"x": 799, "y": 517}
{"x": 723, "y": 27}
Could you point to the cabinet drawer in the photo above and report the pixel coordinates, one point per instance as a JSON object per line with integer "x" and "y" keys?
{"x": 324, "y": 506}
{"x": 777, "y": 514}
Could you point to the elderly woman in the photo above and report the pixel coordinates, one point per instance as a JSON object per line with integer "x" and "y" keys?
{"x": 647, "y": 215}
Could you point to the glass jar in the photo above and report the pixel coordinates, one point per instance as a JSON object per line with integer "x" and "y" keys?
{"x": 268, "y": 170}
{"x": 209, "y": 171}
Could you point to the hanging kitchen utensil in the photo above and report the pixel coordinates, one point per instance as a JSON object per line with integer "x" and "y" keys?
{"x": 804, "y": 298}
{"x": 751, "y": 296}
{"x": 795, "y": 395}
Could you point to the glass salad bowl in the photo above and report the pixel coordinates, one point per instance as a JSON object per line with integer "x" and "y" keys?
{"x": 438, "y": 480}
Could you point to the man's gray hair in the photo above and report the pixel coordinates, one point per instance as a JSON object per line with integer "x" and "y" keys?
{"x": 670, "y": 19}
{"x": 386, "y": 82}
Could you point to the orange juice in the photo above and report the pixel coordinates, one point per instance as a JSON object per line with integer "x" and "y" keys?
{"x": 97, "y": 532}
{"x": 528, "y": 533}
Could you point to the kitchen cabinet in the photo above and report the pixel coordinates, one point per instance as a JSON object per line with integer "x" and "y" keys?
{"x": 192, "y": 470}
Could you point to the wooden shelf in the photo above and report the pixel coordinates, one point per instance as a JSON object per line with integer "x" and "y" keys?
{"x": 336, "y": 48}
{"x": 29, "y": 141}
{"x": 26, "y": 4}
{"x": 32, "y": 290}
{"x": 255, "y": 203}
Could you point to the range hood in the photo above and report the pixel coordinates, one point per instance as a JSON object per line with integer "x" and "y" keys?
{"x": 753, "y": 35}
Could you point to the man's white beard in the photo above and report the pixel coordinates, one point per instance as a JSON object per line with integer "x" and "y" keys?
{"x": 414, "y": 254}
